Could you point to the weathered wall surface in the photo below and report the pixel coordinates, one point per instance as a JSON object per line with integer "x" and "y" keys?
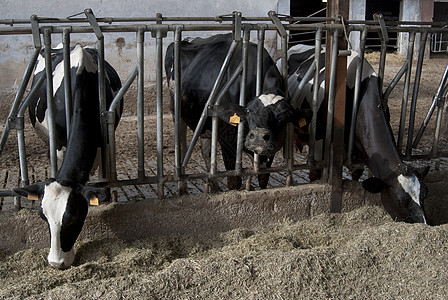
{"x": 15, "y": 51}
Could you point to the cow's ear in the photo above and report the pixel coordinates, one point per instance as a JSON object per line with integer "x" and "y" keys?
{"x": 422, "y": 172}
{"x": 91, "y": 193}
{"x": 231, "y": 113}
{"x": 32, "y": 191}
{"x": 303, "y": 117}
{"x": 374, "y": 185}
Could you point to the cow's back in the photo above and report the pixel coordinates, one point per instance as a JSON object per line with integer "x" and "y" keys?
{"x": 201, "y": 61}
{"x": 84, "y": 78}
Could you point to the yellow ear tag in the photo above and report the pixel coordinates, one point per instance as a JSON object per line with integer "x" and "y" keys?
{"x": 302, "y": 122}
{"x": 33, "y": 197}
{"x": 94, "y": 201}
{"x": 235, "y": 119}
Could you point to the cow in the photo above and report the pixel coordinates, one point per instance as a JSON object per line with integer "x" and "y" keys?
{"x": 401, "y": 187}
{"x": 266, "y": 114}
{"x": 65, "y": 198}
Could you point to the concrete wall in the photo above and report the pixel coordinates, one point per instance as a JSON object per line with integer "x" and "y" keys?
{"x": 15, "y": 51}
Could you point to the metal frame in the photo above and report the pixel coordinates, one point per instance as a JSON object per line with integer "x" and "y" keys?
{"x": 159, "y": 27}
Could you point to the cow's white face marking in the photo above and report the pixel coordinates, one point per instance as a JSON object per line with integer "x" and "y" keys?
{"x": 269, "y": 99}
{"x": 411, "y": 185}
{"x": 54, "y": 204}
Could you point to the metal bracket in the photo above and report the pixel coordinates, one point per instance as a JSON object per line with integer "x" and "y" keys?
{"x": 108, "y": 117}
{"x": 16, "y": 123}
{"x": 94, "y": 23}
{"x": 35, "y": 30}
{"x": 212, "y": 110}
{"x": 159, "y": 31}
{"x": 384, "y": 36}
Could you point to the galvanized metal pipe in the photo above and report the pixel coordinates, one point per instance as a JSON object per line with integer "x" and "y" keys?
{"x": 404, "y": 104}
{"x": 417, "y": 76}
{"x": 316, "y": 87}
{"x": 177, "y": 106}
{"x": 395, "y": 81}
{"x": 209, "y": 102}
{"x": 435, "y": 144}
{"x": 242, "y": 101}
{"x": 67, "y": 79}
{"x": 20, "y": 130}
{"x": 18, "y": 98}
{"x": 104, "y": 173}
{"x": 140, "y": 103}
{"x": 356, "y": 97}
{"x": 111, "y": 122}
{"x": 159, "y": 99}
{"x": 50, "y": 103}
{"x": 331, "y": 101}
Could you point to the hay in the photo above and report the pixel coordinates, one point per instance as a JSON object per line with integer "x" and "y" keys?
{"x": 361, "y": 254}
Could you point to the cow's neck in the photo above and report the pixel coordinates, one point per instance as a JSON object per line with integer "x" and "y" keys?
{"x": 84, "y": 138}
{"x": 379, "y": 151}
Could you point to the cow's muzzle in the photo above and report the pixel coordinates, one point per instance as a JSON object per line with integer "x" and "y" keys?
{"x": 260, "y": 141}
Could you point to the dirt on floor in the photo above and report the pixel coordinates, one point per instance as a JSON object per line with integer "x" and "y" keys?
{"x": 360, "y": 254}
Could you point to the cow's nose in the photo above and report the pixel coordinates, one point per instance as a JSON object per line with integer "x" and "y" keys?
{"x": 57, "y": 265}
{"x": 267, "y": 137}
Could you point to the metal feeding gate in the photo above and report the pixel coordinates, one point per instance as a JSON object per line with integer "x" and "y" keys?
{"x": 334, "y": 30}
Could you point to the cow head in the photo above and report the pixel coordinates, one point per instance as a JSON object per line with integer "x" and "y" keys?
{"x": 64, "y": 208}
{"x": 402, "y": 194}
{"x": 266, "y": 117}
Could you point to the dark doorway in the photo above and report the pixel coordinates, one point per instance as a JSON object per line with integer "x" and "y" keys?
{"x": 390, "y": 9}
{"x": 310, "y": 8}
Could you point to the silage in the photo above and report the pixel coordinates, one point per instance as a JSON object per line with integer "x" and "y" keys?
{"x": 354, "y": 255}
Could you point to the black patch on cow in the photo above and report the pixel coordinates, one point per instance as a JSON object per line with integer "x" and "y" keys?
{"x": 73, "y": 220}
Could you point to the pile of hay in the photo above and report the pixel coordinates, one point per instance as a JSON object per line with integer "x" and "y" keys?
{"x": 361, "y": 254}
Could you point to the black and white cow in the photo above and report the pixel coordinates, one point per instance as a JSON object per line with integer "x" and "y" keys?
{"x": 65, "y": 199}
{"x": 401, "y": 187}
{"x": 266, "y": 115}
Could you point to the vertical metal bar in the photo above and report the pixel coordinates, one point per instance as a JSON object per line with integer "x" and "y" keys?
{"x": 19, "y": 96}
{"x": 404, "y": 103}
{"x": 331, "y": 100}
{"x": 242, "y": 101}
{"x": 435, "y": 143}
{"x": 67, "y": 79}
{"x": 382, "y": 65}
{"x": 210, "y": 101}
{"x": 258, "y": 90}
{"x": 260, "y": 50}
{"x": 356, "y": 97}
{"x": 316, "y": 87}
{"x": 177, "y": 105}
{"x": 140, "y": 103}
{"x": 20, "y": 129}
{"x": 50, "y": 102}
{"x": 159, "y": 99}
{"x": 289, "y": 143}
{"x": 105, "y": 161}
{"x": 418, "y": 74}
{"x": 111, "y": 122}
